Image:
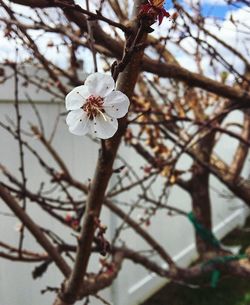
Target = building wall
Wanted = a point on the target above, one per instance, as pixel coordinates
(134, 284)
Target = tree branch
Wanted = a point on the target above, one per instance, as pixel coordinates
(34, 230)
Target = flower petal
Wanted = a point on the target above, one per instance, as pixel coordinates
(162, 13)
(76, 97)
(78, 122)
(116, 104)
(104, 129)
(145, 8)
(160, 17)
(100, 84)
(157, 3)
(73, 116)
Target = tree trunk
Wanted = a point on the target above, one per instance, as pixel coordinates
(201, 203)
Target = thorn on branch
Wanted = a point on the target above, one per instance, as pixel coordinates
(50, 289)
(41, 269)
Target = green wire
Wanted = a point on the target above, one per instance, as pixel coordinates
(220, 260)
(209, 237)
(204, 233)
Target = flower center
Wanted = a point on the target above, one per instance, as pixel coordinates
(94, 107)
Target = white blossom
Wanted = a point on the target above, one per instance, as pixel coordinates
(95, 107)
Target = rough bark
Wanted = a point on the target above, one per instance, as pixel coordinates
(201, 203)
(126, 83)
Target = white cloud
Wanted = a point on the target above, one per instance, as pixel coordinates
(234, 36)
(225, 30)
(202, 2)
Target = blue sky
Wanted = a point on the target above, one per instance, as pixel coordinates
(218, 11)
(211, 8)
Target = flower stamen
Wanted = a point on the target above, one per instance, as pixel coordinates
(94, 106)
(105, 119)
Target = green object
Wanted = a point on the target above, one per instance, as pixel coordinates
(224, 259)
(220, 260)
(230, 290)
(215, 278)
(204, 233)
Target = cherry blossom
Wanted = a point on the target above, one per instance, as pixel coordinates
(95, 107)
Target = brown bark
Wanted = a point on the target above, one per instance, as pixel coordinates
(241, 98)
(34, 230)
(201, 203)
(126, 83)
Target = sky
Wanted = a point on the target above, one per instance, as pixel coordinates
(221, 12)
(211, 8)
(214, 9)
